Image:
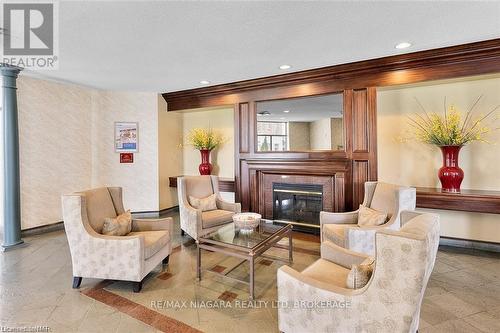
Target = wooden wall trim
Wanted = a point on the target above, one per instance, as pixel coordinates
(225, 185)
(443, 63)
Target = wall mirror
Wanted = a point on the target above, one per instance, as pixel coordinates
(301, 124)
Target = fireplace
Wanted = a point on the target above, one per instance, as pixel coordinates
(298, 204)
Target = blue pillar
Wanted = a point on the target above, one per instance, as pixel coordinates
(12, 188)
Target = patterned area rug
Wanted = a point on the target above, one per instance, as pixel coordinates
(172, 300)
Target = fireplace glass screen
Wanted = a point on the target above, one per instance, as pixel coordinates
(299, 204)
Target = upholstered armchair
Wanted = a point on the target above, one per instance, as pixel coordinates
(317, 300)
(194, 222)
(93, 255)
(343, 229)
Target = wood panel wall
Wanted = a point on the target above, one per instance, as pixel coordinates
(357, 82)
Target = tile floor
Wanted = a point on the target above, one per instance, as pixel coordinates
(463, 294)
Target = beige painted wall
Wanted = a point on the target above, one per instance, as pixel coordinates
(55, 152)
(139, 179)
(222, 158)
(416, 164)
(170, 152)
(66, 145)
(298, 136)
(320, 134)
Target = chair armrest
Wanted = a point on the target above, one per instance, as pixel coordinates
(341, 256)
(190, 219)
(233, 207)
(127, 253)
(191, 211)
(297, 292)
(287, 275)
(338, 218)
(362, 239)
(154, 224)
(407, 215)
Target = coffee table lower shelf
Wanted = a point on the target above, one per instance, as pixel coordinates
(247, 254)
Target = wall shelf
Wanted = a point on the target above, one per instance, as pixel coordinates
(225, 184)
(468, 200)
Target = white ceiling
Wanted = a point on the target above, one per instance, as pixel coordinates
(168, 46)
(304, 109)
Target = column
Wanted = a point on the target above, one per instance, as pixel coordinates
(12, 188)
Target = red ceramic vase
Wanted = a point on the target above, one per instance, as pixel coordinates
(450, 174)
(205, 167)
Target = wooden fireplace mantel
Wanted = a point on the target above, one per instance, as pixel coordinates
(478, 201)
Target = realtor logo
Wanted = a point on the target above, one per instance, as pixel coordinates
(30, 35)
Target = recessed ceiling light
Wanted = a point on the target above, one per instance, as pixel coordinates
(285, 67)
(204, 82)
(286, 111)
(403, 45)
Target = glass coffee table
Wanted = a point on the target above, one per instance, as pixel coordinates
(247, 246)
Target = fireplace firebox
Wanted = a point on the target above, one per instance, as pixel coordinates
(298, 204)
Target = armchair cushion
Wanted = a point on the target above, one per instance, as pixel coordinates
(327, 272)
(216, 217)
(205, 204)
(370, 217)
(335, 233)
(199, 186)
(99, 206)
(154, 241)
(384, 198)
(118, 226)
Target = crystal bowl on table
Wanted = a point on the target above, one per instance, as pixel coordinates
(246, 222)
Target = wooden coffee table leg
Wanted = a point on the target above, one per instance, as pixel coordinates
(251, 286)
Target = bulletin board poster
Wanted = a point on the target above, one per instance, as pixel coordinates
(126, 137)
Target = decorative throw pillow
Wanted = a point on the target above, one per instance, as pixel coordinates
(370, 217)
(118, 226)
(360, 274)
(205, 204)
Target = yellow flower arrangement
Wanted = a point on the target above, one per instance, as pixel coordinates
(201, 138)
(452, 128)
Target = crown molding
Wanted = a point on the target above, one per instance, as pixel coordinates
(443, 63)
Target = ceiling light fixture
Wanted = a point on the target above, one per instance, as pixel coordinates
(285, 67)
(286, 111)
(204, 82)
(402, 45)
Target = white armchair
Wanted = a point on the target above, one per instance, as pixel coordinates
(317, 300)
(94, 255)
(343, 229)
(195, 222)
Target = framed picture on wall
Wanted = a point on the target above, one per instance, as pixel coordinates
(126, 137)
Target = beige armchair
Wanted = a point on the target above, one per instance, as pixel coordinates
(94, 255)
(317, 300)
(343, 230)
(195, 222)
